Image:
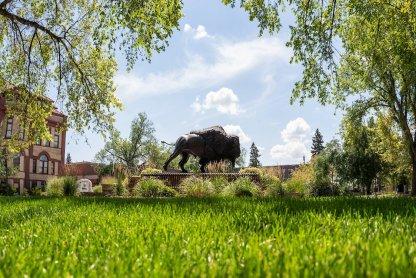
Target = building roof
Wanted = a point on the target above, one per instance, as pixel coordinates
(83, 168)
(284, 170)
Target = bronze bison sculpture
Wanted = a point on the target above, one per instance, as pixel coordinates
(210, 145)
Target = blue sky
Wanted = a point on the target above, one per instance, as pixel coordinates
(218, 71)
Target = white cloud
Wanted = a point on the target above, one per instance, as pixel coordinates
(292, 152)
(295, 141)
(201, 33)
(187, 28)
(297, 129)
(231, 60)
(237, 130)
(224, 101)
(197, 106)
(198, 33)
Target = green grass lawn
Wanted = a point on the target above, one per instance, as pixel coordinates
(213, 237)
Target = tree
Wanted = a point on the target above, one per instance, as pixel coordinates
(241, 160)
(375, 60)
(68, 158)
(254, 156)
(133, 151)
(68, 47)
(389, 144)
(317, 143)
(360, 163)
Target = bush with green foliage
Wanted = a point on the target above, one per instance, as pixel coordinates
(219, 183)
(197, 187)
(70, 186)
(241, 187)
(55, 187)
(252, 170)
(273, 186)
(109, 180)
(97, 189)
(62, 186)
(151, 171)
(300, 181)
(7, 189)
(153, 188)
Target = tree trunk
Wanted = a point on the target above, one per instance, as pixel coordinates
(413, 192)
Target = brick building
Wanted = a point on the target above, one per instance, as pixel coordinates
(41, 161)
(84, 170)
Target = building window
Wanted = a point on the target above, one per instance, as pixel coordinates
(53, 168)
(16, 161)
(34, 166)
(43, 164)
(9, 128)
(56, 140)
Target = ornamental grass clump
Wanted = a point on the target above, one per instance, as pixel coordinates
(219, 183)
(70, 186)
(62, 186)
(55, 187)
(269, 179)
(153, 188)
(241, 187)
(272, 186)
(197, 187)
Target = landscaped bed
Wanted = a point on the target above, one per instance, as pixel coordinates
(219, 236)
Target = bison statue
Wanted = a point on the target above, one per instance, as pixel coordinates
(209, 145)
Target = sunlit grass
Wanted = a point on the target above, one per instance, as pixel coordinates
(216, 237)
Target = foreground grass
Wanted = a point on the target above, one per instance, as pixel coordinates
(213, 237)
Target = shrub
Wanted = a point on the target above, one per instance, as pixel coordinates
(301, 180)
(97, 189)
(252, 170)
(219, 183)
(273, 186)
(55, 187)
(241, 187)
(151, 171)
(7, 189)
(120, 187)
(63, 186)
(109, 180)
(70, 185)
(197, 187)
(152, 188)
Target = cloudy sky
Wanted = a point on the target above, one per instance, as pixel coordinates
(218, 71)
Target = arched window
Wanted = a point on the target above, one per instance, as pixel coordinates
(43, 164)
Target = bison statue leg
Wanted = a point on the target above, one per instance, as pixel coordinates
(182, 162)
(202, 163)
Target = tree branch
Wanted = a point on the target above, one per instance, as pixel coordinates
(4, 3)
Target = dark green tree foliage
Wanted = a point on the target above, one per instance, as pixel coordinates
(317, 143)
(69, 46)
(359, 164)
(133, 151)
(254, 156)
(241, 160)
(326, 181)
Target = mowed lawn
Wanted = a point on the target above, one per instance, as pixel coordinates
(209, 237)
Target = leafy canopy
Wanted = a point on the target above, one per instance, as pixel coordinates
(133, 151)
(68, 47)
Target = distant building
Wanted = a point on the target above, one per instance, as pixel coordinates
(284, 171)
(84, 170)
(39, 162)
